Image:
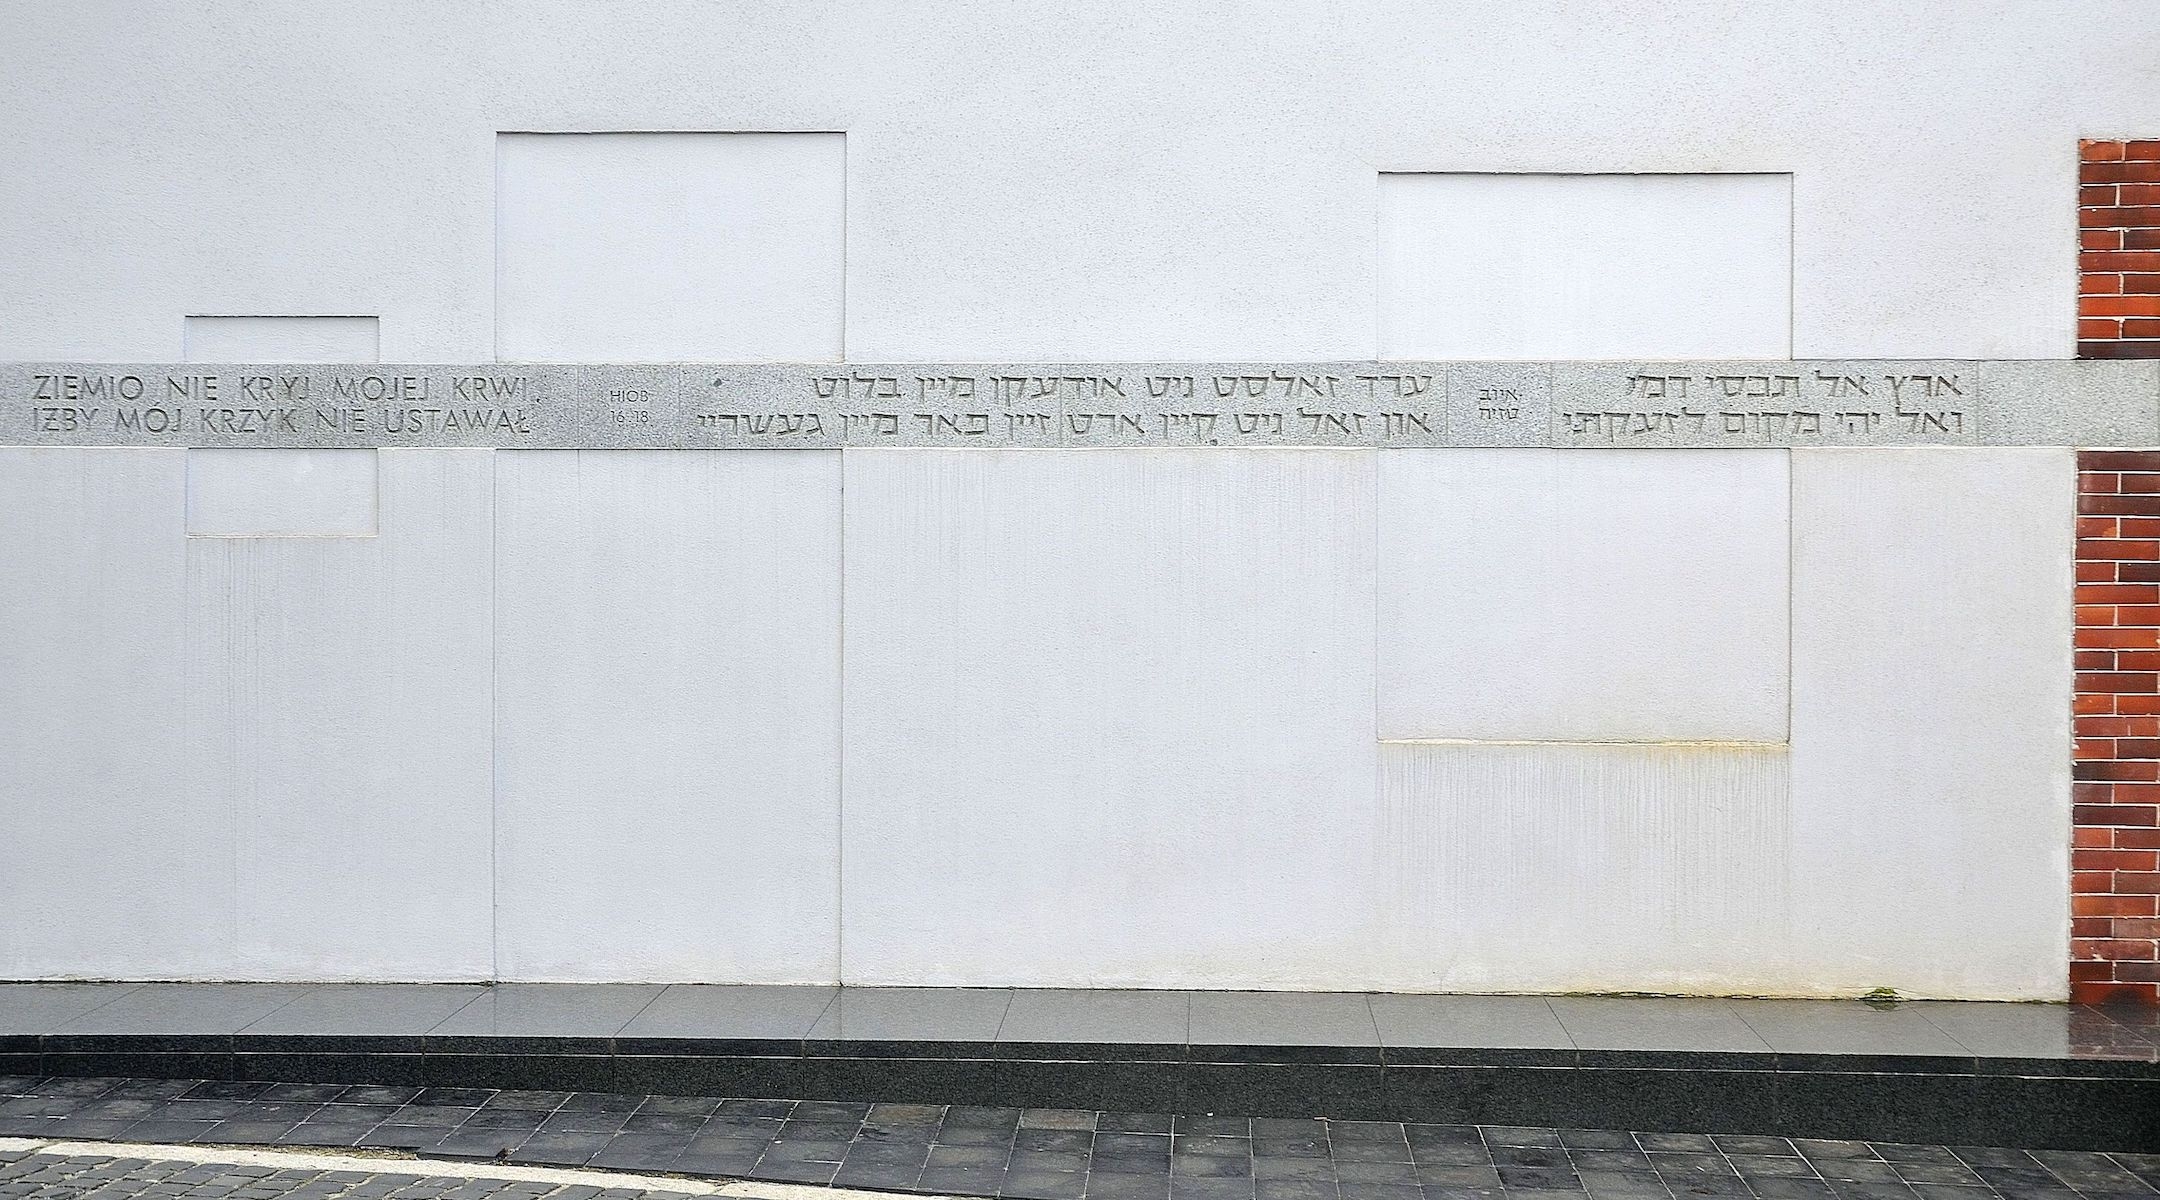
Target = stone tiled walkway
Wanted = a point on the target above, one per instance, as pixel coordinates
(1041, 1154)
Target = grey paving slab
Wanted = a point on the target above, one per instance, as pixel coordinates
(2034, 1030)
(43, 1007)
(366, 1009)
(1625, 1023)
(550, 1010)
(699, 1010)
(1513, 1022)
(1282, 1019)
(1103, 1017)
(1081, 405)
(186, 1008)
(1844, 1027)
(914, 1014)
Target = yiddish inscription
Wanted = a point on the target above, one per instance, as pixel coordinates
(1380, 405)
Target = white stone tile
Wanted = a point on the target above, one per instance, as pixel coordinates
(1931, 719)
(668, 715)
(669, 247)
(282, 492)
(1595, 595)
(1585, 266)
(112, 865)
(1109, 718)
(1576, 868)
(338, 707)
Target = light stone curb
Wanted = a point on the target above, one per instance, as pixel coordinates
(1359, 405)
(392, 1163)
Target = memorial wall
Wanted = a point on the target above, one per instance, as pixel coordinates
(1373, 496)
(1433, 676)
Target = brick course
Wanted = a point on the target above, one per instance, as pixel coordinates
(2118, 249)
(2115, 835)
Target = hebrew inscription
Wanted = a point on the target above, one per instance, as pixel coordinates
(1377, 405)
(1785, 404)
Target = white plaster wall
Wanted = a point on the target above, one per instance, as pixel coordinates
(1122, 179)
(112, 865)
(1109, 719)
(668, 715)
(1500, 266)
(238, 757)
(261, 492)
(1931, 719)
(1570, 867)
(281, 339)
(1583, 595)
(338, 707)
(634, 247)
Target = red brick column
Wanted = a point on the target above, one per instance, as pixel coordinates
(2115, 846)
(2118, 249)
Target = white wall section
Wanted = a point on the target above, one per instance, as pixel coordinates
(1090, 690)
(1931, 719)
(236, 757)
(1161, 212)
(1585, 266)
(1104, 717)
(282, 339)
(93, 582)
(1572, 868)
(286, 492)
(337, 705)
(1587, 595)
(668, 714)
(669, 247)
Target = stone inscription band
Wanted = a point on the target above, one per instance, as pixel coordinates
(1371, 404)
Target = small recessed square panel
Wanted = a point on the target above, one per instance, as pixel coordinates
(280, 492)
(1584, 595)
(1585, 266)
(669, 247)
(282, 339)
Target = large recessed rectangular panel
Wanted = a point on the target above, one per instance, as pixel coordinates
(339, 707)
(1109, 718)
(1931, 719)
(669, 247)
(280, 492)
(1572, 868)
(1585, 266)
(282, 339)
(668, 657)
(1590, 595)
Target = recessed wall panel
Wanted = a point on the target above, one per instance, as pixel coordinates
(668, 725)
(1109, 719)
(1931, 719)
(338, 706)
(1585, 266)
(1590, 595)
(669, 247)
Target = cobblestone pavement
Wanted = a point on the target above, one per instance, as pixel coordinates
(1034, 1154)
(39, 1176)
